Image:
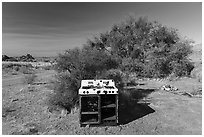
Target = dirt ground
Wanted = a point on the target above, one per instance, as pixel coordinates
(25, 110)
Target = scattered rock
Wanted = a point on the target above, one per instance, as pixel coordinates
(10, 110)
(13, 100)
(64, 112)
(187, 94)
(54, 131)
(39, 83)
(106, 128)
(169, 88)
(56, 110)
(87, 126)
(197, 92)
(21, 89)
(26, 129)
(120, 128)
(31, 88)
(31, 128)
(74, 110)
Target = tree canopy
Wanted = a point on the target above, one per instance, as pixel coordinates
(145, 48)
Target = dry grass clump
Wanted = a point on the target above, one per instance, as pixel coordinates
(16, 68)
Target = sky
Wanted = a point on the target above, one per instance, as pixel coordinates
(47, 29)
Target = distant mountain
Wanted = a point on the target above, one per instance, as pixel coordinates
(7, 58)
(4, 57)
(24, 58)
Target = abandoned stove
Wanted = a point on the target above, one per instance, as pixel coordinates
(98, 102)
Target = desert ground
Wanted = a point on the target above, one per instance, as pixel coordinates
(25, 110)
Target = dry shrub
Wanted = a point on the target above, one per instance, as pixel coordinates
(25, 70)
(65, 91)
(115, 74)
(145, 48)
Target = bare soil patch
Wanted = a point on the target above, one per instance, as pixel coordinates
(145, 109)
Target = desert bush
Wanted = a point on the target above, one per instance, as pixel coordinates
(116, 75)
(30, 78)
(182, 68)
(147, 49)
(132, 65)
(17, 67)
(7, 65)
(65, 91)
(88, 62)
(74, 66)
(10, 65)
